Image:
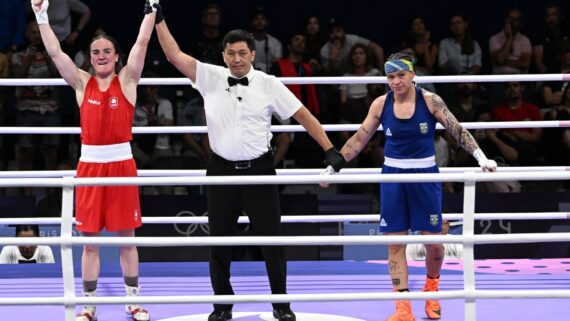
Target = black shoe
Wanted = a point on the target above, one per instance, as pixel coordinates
(220, 315)
(284, 314)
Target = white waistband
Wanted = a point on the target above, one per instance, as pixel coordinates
(105, 153)
(410, 162)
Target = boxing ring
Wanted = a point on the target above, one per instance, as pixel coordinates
(470, 290)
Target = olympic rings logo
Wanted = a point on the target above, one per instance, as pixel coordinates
(190, 229)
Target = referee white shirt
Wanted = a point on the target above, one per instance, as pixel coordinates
(239, 117)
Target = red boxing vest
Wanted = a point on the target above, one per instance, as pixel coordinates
(288, 70)
(106, 117)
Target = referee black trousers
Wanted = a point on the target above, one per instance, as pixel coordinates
(261, 204)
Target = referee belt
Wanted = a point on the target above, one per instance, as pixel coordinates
(243, 164)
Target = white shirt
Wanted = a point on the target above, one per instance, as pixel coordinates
(11, 255)
(163, 111)
(356, 91)
(239, 117)
(59, 12)
(521, 45)
(267, 52)
(450, 54)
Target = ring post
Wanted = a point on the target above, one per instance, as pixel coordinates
(67, 248)
(468, 246)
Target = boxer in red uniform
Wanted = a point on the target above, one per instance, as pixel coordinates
(106, 103)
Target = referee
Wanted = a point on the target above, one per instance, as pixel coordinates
(239, 102)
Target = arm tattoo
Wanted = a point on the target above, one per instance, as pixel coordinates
(353, 146)
(461, 135)
(396, 282)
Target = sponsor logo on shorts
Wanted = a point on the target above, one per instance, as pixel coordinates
(388, 132)
(434, 219)
(136, 216)
(383, 223)
(113, 102)
(78, 223)
(423, 128)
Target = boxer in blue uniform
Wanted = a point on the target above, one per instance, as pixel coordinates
(408, 115)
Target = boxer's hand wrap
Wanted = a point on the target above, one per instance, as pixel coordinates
(334, 159)
(41, 14)
(487, 165)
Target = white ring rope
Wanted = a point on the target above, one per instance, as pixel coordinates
(284, 298)
(291, 240)
(284, 128)
(319, 80)
(338, 218)
(286, 179)
(283, 172)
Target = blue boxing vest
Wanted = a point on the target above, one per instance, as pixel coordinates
(408, 138)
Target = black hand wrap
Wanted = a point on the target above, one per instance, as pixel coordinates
(148, 9)
(159, 16)
(334, 159)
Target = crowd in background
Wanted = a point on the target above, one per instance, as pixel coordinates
(323, 47)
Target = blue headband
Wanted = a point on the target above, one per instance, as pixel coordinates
(397, 65)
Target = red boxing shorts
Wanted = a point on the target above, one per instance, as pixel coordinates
(114, 208)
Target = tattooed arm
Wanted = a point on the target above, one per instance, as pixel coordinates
(444, 116)
(370, 125)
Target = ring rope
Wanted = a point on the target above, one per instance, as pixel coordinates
(286, 171)
(320, 80)
(338, 218)
(150, 241)
(284, 128)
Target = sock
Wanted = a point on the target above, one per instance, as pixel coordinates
(436, 278)
(403, 290)
(89, 286)
(132, 281)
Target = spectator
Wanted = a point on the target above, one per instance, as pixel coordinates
(466, 105)
(499, 147)
(517, 109)
(546, 46)
(556, 141)
(195, 145)
(208, 45)
(151, 110)
(268, 49)
(419, 41)
(60, 13)
(13, 254)
(4, 73)
(12, 25)
(552, 90)
(355, 100)
(36, 105)
(459, 53)
(510, 50)
(304, 150)
(335, 52)
(315, 38)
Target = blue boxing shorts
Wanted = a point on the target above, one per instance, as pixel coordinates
(415, 206)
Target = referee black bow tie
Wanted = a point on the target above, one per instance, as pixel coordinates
(234, 81)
